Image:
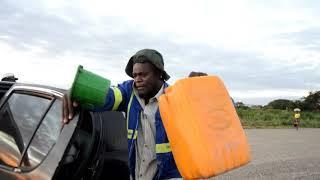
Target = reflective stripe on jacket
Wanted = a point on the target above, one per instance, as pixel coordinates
(122, 98)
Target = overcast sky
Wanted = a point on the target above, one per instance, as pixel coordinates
(262, 50)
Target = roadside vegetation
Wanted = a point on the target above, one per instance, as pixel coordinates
(276, 118)
(279, 113)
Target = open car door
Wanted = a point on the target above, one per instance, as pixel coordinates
(98, 149)
(33, 138)
(35, 144)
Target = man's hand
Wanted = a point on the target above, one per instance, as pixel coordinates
(195, 74)
(68, 108)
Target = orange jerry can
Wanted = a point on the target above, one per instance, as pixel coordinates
(203, 128)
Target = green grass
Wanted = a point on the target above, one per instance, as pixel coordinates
(274, 118)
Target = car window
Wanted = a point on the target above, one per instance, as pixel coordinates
(45, 137)
(19, 118)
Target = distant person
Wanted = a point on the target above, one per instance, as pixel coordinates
(296, 120)
(9, 77)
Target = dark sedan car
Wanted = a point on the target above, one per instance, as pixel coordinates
(35, 144)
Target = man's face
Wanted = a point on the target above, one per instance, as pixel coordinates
(145, 78)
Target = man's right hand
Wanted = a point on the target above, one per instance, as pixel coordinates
(68, 108)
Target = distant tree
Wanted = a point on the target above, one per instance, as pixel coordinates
(312, 101)
(241, 105)
(283, 104)
(256, 107)
(297, 104)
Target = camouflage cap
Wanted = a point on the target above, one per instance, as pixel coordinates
(153, 56)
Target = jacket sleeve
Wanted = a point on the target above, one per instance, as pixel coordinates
(115, 99)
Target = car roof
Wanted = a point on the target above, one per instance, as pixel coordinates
(41, 86)
(58, 92)
(62, 91)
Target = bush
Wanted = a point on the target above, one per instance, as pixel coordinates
(283, 104)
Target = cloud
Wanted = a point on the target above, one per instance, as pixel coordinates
(307, 38)
(253, 47)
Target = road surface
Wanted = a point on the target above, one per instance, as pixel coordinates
(280, 154)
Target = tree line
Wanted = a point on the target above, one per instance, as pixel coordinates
(307, 103)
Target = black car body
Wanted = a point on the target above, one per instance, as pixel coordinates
(35, 144)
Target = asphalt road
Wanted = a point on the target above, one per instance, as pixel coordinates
(280, 154)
